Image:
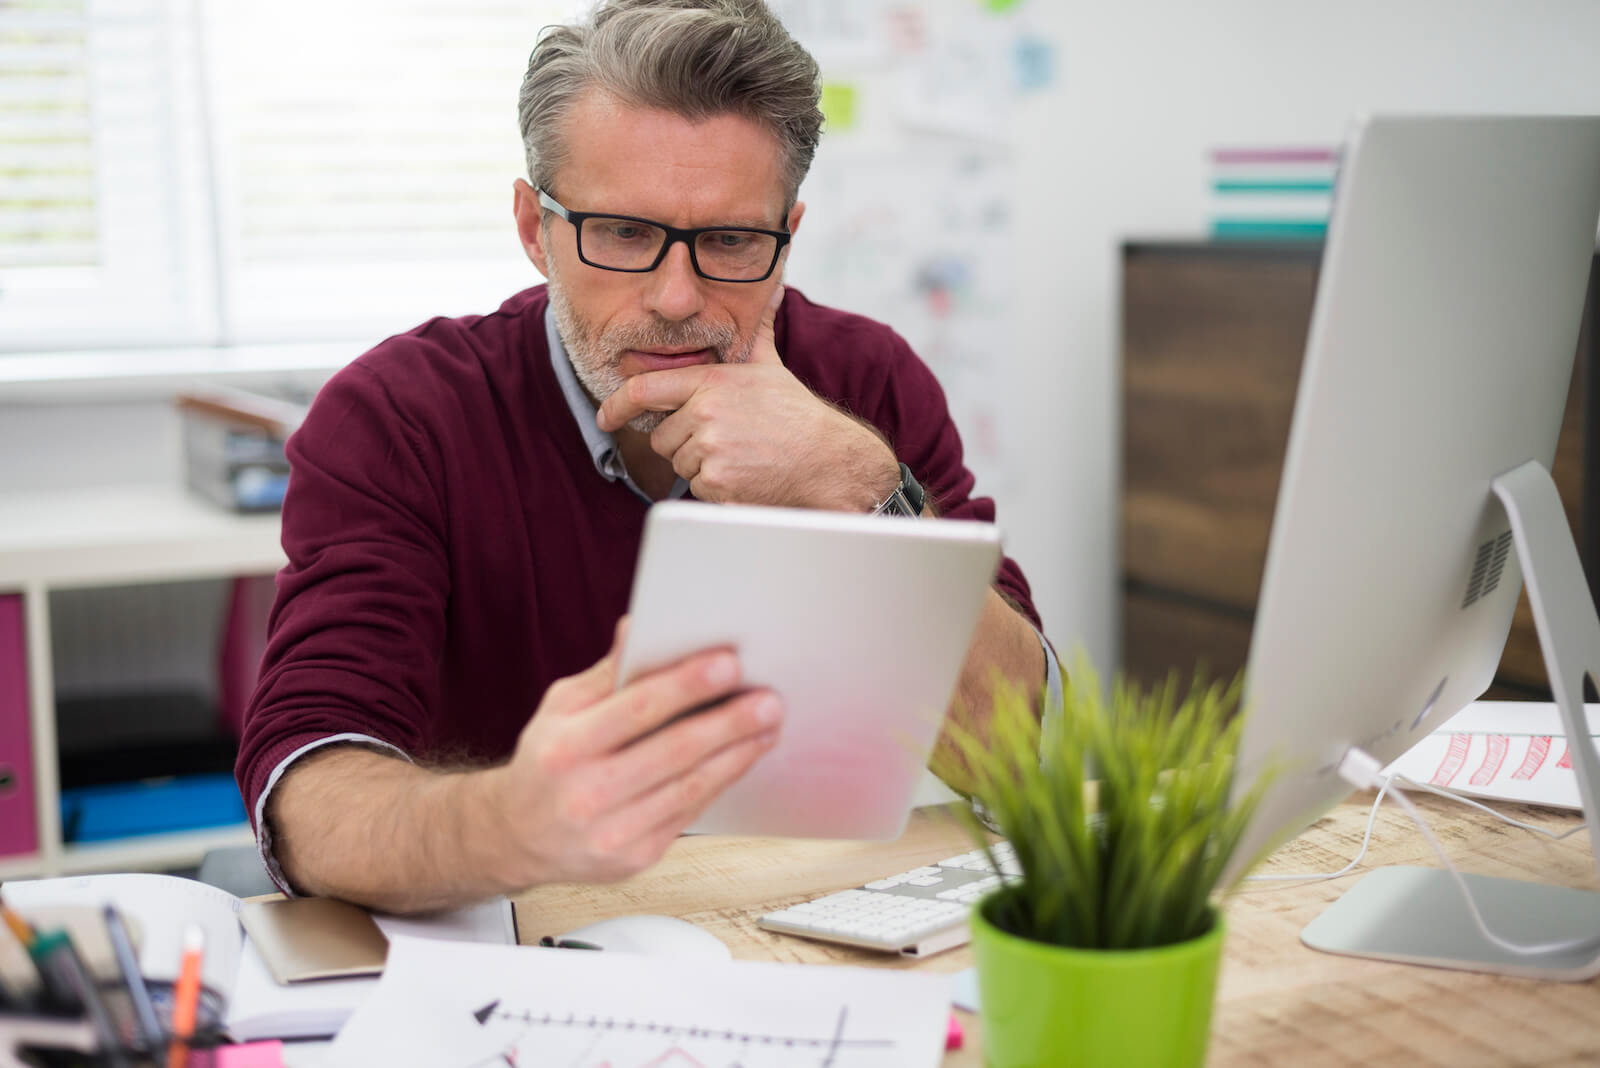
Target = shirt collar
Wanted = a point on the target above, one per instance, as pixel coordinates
(601, 445)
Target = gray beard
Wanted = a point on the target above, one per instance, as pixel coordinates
(595, 353)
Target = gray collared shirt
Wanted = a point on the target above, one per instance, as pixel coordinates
(602, 446)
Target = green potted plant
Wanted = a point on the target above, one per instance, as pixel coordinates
(1106, 950)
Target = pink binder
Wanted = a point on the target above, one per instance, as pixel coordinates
(19, 827)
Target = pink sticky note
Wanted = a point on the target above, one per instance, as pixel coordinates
(250, 1055)
(953, 1036)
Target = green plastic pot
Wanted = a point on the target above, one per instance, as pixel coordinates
(1046, 1005)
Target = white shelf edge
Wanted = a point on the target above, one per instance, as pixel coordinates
(145, 852)
(172, 849)
(23, 866)
(121, 535)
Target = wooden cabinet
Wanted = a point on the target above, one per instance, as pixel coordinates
(1212, 339)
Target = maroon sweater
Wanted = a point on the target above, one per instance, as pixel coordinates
(453, 550)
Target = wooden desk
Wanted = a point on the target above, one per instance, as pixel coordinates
(1279, 1003)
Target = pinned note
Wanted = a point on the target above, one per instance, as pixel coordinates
(838, 106)
(1033, 62)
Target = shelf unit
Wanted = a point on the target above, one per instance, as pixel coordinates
(110, 536)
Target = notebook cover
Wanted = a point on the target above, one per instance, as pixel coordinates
(307, 938)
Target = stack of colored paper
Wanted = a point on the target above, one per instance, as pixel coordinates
(1272, 193)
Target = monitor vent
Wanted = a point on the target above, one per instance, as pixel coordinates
(1487, 566)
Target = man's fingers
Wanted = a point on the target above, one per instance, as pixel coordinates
(653, 391)
(639, 828)
(675, 430)
(679, 747)
(680, 801)
(646, 703)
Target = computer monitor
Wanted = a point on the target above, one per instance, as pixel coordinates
(1437, 365)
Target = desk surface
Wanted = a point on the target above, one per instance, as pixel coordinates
(1279, 1002)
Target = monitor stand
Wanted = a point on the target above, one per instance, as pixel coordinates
(1417, 915)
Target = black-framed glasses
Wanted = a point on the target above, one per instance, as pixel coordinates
(637, 246)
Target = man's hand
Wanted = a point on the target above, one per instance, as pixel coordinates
(752, 433)
(603, 779)
(600, 783)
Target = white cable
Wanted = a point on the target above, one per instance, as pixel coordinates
(1360, 769)
(1501, 816)
(1372, 817)
(1318, 875)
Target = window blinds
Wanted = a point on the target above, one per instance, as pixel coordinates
(47, 201)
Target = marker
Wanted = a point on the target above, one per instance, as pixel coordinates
(186, 997)
(147, 1026)
(10, 999)
(26, 935)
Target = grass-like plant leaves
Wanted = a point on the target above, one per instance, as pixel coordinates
(1119, 813)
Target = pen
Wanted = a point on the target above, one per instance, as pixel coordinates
(69, 984)
(147, 1027)
(186, 997)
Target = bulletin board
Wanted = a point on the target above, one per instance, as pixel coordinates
(910, 204)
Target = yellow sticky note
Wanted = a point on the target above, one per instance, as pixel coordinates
(838, 106)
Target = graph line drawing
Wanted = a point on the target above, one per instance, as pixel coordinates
(624, 1042)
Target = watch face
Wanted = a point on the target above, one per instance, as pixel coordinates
(897, 504)
(907, 498)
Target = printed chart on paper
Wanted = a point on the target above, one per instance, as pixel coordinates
(460, 1005)
(1505, 750)
(574, 1041)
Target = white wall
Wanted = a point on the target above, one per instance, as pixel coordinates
(1147, 88)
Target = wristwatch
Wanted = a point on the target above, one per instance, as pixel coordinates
(907, 498)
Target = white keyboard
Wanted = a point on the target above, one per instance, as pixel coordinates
(915, 914)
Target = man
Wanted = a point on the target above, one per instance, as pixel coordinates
(437, 718)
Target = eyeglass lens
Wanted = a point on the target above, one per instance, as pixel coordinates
(629, 245)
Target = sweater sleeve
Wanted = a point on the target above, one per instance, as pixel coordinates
(358, 621)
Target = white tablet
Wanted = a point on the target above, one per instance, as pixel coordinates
(859, 623)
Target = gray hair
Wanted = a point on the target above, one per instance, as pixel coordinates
(697, 58)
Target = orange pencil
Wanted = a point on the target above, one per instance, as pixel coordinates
(18, 925)
(186, 997)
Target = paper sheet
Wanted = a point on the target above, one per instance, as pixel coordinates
(453, 1005)
(1506, 750)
